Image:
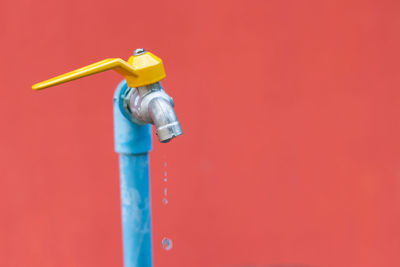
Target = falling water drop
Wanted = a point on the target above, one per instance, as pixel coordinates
(165, 201)
(166, 244)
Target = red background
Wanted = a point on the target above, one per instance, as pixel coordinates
(291, 151)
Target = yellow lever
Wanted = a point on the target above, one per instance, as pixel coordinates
(141, 69)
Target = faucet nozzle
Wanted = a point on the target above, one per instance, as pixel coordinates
(150, 104)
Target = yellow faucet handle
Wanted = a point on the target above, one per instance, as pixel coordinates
(117, 64)
(140, 70)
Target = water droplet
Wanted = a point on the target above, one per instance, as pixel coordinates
(165, 179)
(165, 191)
(165, 201)
(165, 164)
(165, 173)
(166, 244)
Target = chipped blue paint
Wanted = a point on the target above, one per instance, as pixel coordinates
(133, 142)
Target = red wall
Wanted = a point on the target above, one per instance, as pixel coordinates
(291, 151)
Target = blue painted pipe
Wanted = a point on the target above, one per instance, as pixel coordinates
(133, 142)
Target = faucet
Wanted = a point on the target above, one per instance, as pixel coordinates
(139, 102)
(150, 104)
(145, 100)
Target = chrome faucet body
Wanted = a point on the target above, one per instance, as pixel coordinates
(151, 104)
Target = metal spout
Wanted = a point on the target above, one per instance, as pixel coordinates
(150, 104)
(164, 118)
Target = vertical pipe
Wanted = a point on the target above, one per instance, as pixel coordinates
(136, 212)
(133, 143)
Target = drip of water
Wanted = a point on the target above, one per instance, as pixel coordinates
(165, 201)
(166, 244)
